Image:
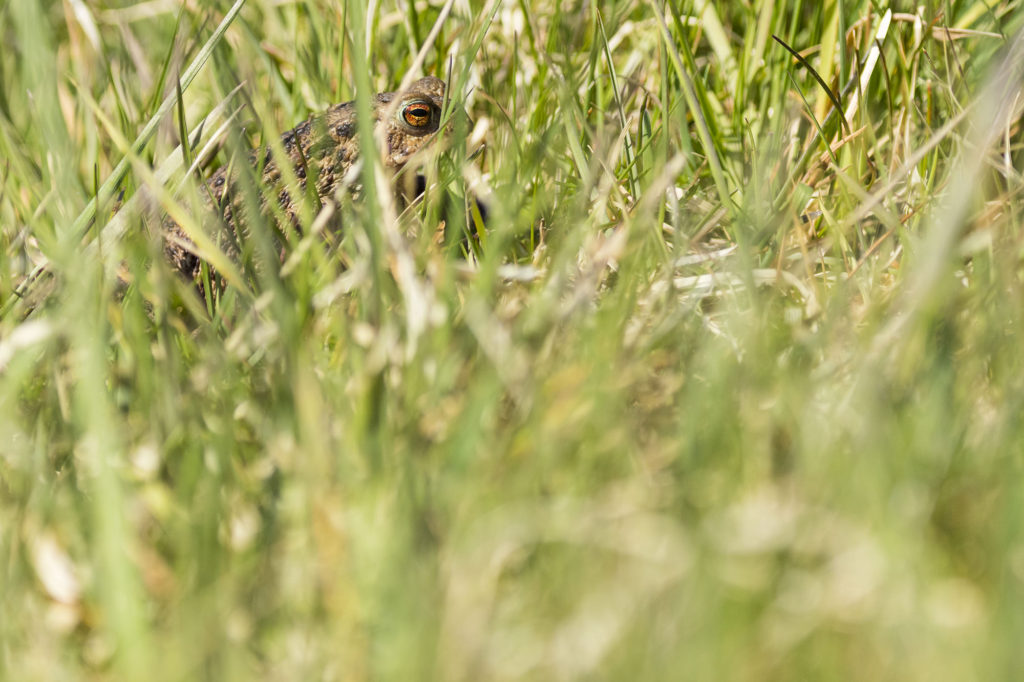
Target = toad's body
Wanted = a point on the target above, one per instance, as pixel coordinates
(326, 144)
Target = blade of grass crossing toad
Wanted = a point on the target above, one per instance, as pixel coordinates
(205, 246)
(355, 37)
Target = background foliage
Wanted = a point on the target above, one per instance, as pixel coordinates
(729, 388)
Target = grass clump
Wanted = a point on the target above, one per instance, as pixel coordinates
(728, 386)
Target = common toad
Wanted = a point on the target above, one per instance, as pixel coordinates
(326, 144)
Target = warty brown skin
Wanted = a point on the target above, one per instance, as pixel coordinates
(327, 144)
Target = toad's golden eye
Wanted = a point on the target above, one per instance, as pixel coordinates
(417, 114)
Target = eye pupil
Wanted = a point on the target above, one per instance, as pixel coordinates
(417, 115)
